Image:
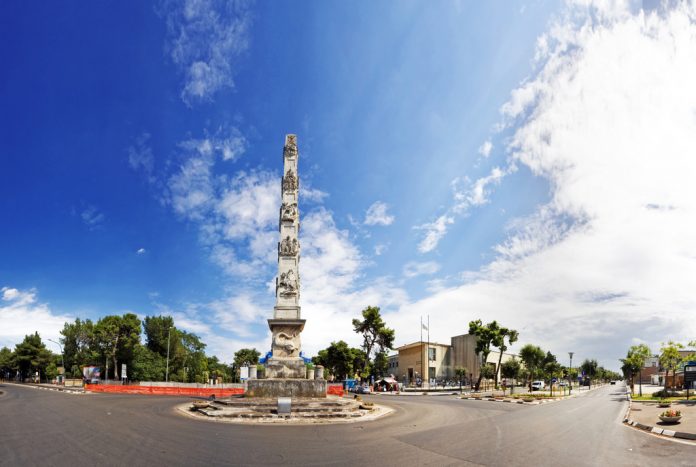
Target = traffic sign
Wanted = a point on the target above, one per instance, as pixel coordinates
(689, 373)
(553, 380)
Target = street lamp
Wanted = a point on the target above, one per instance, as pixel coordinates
(570, 381)
(169, 333)
(62, 358)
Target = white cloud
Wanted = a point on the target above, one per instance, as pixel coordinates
(434, 231)
(377, 214)
(610, 121)
(312, 194)
(22, 314)
(485, 148)
(140, 156)
(205, 37)
(381, 248)
(141, 251)
(227, 143)
(413, 268)
(92, 217)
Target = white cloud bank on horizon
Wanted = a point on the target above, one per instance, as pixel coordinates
(610, 122)
(21, 314)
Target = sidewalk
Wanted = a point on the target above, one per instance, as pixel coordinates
(645, 415)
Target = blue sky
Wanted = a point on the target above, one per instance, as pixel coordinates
(443, 170)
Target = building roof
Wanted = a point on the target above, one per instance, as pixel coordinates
(420, 343)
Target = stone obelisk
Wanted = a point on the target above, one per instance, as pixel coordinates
(286, 324)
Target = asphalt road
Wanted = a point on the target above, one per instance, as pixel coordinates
(40, 427)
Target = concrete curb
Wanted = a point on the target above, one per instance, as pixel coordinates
(536, 402)
(656, 430)
(47, 388)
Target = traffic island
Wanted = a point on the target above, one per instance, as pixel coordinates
(645, 416)
(284, 410)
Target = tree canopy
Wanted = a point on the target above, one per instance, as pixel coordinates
(375, 334)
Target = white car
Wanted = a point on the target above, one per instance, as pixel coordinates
(538, 385)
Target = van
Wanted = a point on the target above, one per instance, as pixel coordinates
(538, 385)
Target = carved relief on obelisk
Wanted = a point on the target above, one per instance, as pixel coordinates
(286, 324)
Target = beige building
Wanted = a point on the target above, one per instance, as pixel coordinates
(409, 364)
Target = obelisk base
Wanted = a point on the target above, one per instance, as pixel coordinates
(295, 388)
(290, 367)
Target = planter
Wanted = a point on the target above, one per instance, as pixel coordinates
(664, 405)
(670, 419)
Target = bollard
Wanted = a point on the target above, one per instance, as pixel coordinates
(284, 405)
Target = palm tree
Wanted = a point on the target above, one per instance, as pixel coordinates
(499, 341)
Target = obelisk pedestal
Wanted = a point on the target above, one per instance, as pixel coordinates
(285, 369)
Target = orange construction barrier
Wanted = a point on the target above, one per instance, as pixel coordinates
(335, 390)
(164, 391)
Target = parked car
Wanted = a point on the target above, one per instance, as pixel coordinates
(363, 390)
(538, 385)
(612, 382)
(563, 383)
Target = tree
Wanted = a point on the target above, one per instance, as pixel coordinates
(158, 334)
(193, 367)
(499, 342)
(670, 358)
(487, 372)
(339, 359)
(636, 357)
(485, 337)
(79, 346)
(589, 367)
(375, 334)
(532, 356)
(31, 355)
(7, 363)
(380, 365)
(461, 373)
(246, 357)
(511, 370)
(117, 336)
(147, 365)
(630, 366)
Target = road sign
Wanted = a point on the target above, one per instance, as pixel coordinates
(553, 380)
(123, 371)
(689, 373)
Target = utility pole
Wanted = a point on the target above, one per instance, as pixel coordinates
(62, 357)
(570, 380)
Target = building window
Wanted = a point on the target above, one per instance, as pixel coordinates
(431, 354)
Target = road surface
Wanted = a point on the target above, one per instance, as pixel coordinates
(39, 427)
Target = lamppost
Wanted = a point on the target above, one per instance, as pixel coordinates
(169, 334)
(570, 380)
(62, 358)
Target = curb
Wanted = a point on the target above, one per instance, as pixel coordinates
(656, 430)
(63, 390)
(536, 402)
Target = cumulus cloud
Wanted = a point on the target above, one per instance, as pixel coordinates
(141, 251)
(204, 38)
(140, 156)
(485, 149)
(21, 314)
(92, 217)
(434, 231)
(413, 268)
(608, 120)
(377, 214)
